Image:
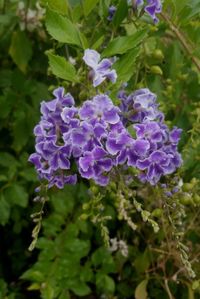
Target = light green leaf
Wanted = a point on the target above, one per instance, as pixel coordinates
(16, 194)
(88, 6)
(140, 291)
(61, 28)
(61, 67)
(125, 65)
(4, 210)
(61, 6)
(121, 13)
(121, 45)
(48, 292)
(20, 50)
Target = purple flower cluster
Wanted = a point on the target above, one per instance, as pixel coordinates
(93, 140)
(157, 153)
(52, 156)
(152, 7)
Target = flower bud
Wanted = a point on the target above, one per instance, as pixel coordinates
(84, 217)
(155, 69)
(157, 213)
(158, 54)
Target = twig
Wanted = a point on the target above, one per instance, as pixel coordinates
(168, 289)
(182, 39)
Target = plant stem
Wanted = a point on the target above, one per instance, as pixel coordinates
(185, 43)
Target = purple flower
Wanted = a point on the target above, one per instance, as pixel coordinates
(101, 69)
(100, 108)
(140, 106)
(111, 12)
(94, 164)
(152, 7)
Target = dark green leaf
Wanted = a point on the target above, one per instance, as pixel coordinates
(4, 210)
(16, 194)
(20, 50)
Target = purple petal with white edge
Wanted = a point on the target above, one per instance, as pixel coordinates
(111, 116)
(86, 161)
(68, 100)
(175, 135)
(141, 147)
(106, 164)
(158, 156)
(99, 131)
(177, 160)
(70, 179)
(143, 164)
(132, 158)
(76, 151)
(112, 76)
(112, 147)
(63, 162)
(88, 174)
(87, 110)
(122, 157)
(59, 92)
(104, 65)
(91, 58)
(98, 79)
(98, 153)
(39, 131)
(78, 138)
(53, 162)
(102, 180)
(51, 106)
(103, 102)
(140, 130)
(139, 2)
(68, 113)
(35, 159)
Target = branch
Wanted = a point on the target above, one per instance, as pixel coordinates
(182, 40)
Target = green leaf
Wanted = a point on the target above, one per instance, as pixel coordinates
(80, 288)
(16, 194)
(7, 160)
(48, 292)
(61, 67)
(121, 13)
(60, 6)
(61, 28)
(140, 291)
(125, 65)
(105, 283)
(4, 210)
(20, 50)
(21, 129)
(121, 45)
(88, 6)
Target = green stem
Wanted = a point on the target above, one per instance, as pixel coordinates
(185, 42)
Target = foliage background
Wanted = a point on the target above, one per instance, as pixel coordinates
(70, 259)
